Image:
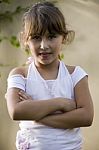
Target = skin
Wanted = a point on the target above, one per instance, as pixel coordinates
(80, 117)
(78, 113)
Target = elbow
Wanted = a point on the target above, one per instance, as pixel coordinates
(87, 117)
(90, 116)
(14, 115)
(88, 120)
(91, 120)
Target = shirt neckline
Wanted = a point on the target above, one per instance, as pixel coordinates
(39, 75)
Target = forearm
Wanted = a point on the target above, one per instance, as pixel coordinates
(73, 119)
(38, 109)
(35, 110)
(21, 106)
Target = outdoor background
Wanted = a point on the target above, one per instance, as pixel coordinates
(83, 17)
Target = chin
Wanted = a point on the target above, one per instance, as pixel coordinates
(46, 62)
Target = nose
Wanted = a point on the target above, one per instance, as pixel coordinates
(44, 44)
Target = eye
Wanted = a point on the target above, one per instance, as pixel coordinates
(36, 37)
(52, 36)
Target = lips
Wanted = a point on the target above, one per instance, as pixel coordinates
(45, 55)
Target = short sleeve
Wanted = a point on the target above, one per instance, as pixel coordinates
(77, 75)
(17, 81)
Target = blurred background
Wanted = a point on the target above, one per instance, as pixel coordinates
(82, 16)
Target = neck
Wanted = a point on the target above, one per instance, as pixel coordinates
(49, 71)
(49, 67)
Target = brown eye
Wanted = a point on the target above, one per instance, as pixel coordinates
(36, 37)
(52, 36)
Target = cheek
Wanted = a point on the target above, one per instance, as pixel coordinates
(31, 46)
(58, 43)
(58, 46)
(32, 49)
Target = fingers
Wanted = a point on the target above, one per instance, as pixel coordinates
(24, 96)
(21, 98)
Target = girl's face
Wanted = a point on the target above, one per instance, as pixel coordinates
(45, 49)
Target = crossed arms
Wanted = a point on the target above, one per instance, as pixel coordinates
(73, 113)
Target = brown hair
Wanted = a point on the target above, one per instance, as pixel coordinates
(42, 17)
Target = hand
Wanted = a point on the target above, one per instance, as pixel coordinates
(24, 96)
(67, 104)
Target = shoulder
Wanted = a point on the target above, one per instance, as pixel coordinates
(74, 70)
(70, 68)
(19, 70)
(77, 74)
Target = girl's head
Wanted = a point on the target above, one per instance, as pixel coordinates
(44, 29)
(42, 17)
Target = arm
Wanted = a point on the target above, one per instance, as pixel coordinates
(23, 107)
(28, 109)
(80, 117)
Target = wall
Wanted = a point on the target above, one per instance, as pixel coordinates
(81, 16)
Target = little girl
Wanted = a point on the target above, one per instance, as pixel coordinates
(51, 99)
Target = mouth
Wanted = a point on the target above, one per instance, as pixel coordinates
(45, 55)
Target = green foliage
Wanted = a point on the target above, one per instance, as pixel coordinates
(13, 40)
(27, 51)
(62, 56)
(8, 15)
(53, 1)
(0, 39)
(5, 1)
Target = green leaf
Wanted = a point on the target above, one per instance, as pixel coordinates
(27, 51)
(5, 1)
(1, 39)
(13, 37)
(14, 41)
(62, 56)
(18, 9)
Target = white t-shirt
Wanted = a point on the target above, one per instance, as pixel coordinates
(38, 88)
